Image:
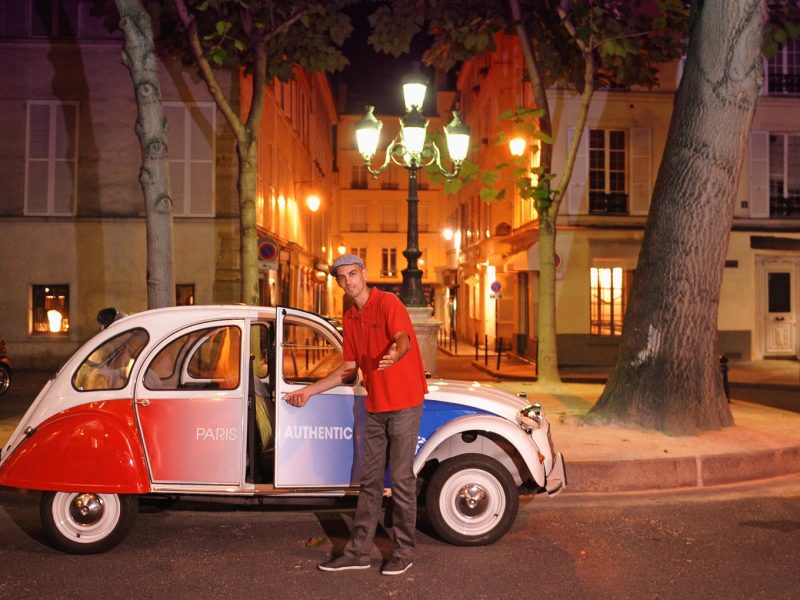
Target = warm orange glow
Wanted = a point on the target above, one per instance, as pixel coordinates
(447, 234)
(313, 203)
(342, 249)
(517, 145)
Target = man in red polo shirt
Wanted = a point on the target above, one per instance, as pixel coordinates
(379, 338)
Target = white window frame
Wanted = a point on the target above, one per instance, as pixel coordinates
(187, 159)
(784, 68)
(52, 159)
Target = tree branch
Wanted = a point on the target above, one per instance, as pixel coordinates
(206, 71)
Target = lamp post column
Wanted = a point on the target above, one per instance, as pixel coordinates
(411, 292)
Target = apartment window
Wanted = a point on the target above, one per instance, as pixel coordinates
(783, 70)
(423, 225)
(358, 177)
(54, 18)
(784, 175)
(389, 217)
(607, 176)
(609, 295)
(358, 217)
(50, 308)
(389, 180)
(184, 294)
(192, 129)
(51, 158)
(388, 262)
(360, 252)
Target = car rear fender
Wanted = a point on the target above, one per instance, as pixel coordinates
(493, 434)
(93, 447)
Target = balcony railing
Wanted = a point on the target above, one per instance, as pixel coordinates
(785, 207)
(782, 83)
(601, 203)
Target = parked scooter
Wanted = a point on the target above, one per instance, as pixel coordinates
(5, 368)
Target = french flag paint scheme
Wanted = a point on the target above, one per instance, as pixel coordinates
(92, 450)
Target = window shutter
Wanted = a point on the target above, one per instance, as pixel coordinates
(38, 159)
(176, 139)
(758, 174)
(65, 151)
(641, 179)
(577, 199)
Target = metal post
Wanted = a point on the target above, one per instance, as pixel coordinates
(476, 346)
(486, 349)
(499, 352)
(411, 292)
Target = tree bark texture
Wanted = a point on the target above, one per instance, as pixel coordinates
(247, 147)
(668, 374)
(140, 58)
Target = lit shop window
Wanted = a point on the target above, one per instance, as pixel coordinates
(609, 295)
(50, 309)
(184, 294)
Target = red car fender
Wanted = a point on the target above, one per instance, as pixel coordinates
(93, 447)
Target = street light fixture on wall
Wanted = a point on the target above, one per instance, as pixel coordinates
(412, 151)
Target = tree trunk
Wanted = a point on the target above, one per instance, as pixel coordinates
(547, 354)
(668, 375)
(247, 148)
(139, 57)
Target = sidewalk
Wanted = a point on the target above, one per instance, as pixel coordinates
(776, 374)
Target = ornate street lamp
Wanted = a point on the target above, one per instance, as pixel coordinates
(412, 151)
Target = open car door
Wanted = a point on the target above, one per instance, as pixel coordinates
(318, 445)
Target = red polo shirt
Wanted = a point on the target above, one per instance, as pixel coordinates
(368, 335)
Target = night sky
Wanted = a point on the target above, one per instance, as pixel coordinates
(375, 78)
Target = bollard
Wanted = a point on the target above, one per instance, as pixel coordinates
(499, 351)
(723, 367)
(486, 349)
(476, 346)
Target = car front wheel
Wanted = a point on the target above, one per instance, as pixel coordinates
(472, 500)
(86, 522)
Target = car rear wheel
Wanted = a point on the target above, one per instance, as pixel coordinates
(472, 500)
(86, 522)
(5, 379)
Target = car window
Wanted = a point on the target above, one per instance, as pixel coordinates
(109, 366)
(207, 359)
(308, 354)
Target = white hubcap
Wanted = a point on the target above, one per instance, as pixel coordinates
(85, 517)
(472, 502)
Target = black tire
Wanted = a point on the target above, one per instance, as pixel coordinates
(86, 522)
(471, 500)
(5, 379)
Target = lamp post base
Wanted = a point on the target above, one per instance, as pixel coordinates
(427, 330)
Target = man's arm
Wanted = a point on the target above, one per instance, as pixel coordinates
(342, 373)
(402, 342)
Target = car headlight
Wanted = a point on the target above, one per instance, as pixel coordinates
(530, 417)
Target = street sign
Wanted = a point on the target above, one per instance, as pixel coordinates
(268, 253)
(496, 287)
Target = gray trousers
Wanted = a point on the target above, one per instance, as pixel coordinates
(396, 431)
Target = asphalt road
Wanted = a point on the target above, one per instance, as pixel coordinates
(727, 543)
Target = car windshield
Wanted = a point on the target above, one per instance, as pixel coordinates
(109, 366)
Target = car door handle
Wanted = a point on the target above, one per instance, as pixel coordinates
(144, 402)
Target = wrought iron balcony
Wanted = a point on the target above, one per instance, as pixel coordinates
(784, 83)
(785, 207)
(601, 203)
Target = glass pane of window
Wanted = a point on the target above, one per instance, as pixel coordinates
(50, 308)
(608, 299)
(308, 354)
(779, 287)
(109, 366)
(206, 359)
